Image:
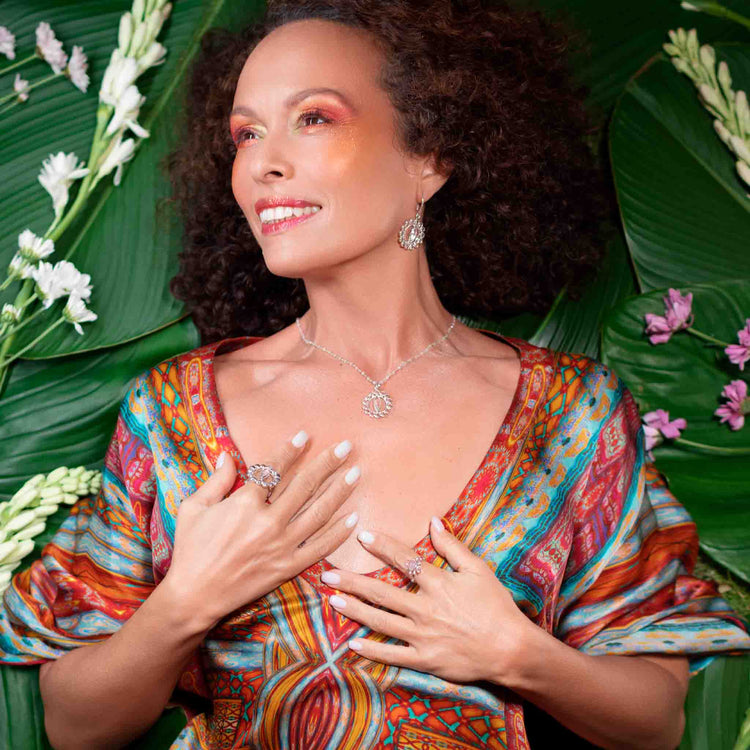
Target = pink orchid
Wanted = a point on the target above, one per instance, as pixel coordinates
(738, 404)
(656, 427)
(740, 353)
(677, 316)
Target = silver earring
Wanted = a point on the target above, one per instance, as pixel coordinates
(412, 231)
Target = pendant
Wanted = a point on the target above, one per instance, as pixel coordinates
(377, 403)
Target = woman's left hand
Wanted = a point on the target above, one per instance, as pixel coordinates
(461, 625)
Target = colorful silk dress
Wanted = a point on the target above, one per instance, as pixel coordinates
(564, 507)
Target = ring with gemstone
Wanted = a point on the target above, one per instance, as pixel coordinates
(414, 567)
(265, 476)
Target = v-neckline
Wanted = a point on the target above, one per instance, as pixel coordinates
(423, 546)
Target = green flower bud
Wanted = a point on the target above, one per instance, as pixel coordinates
(743, 112)
(743, 170)
(724, 78)
(708, 56)
(740, 148)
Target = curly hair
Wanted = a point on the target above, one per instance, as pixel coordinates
(481, 86)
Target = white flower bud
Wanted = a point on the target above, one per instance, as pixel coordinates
(13, 551)
(743, 112)
(670, 49)
(740, 148)
(139, 36)
(125, 32)
(25, 495)
(58, 473)
(22, 520)
(68, 485)
(681, 37)
(138, 7)
(682, 66)
(76, 471)
(48, 492)
(744, 171)
(692, 44)
(45, 510)
(708, 57)
(724, 78)
(721, 131)
(69, 498)
(30, 531)
(711, 98)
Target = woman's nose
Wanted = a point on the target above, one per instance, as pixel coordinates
(271, 159)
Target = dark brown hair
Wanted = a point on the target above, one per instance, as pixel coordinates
(482, 86)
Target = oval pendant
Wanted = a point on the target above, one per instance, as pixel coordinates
(377, 403)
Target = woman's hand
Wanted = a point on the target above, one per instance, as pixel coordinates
(462, 626)
(231, 551)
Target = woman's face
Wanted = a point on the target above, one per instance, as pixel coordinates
(336, 151)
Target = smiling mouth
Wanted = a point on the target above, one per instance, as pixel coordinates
(292, 217)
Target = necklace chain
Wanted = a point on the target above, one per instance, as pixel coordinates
(380, 409)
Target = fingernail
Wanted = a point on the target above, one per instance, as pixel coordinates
(330, 577)
(366, 537)
(299, 439)
(352, 475)
(342, 448)
(351, 520)
(337, 601)
(437, 524)
(220, 462)
(354, 644)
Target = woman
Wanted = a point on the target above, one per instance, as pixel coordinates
(294, 592)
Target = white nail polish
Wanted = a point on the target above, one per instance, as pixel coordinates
(342, 448)
(220, 462)
(351, 520)
(352, 475)
(366, 537)
(330, 577)
(337, 601)
(299, 439)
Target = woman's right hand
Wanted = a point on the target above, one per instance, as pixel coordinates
(231, 551)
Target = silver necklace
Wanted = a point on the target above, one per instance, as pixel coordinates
(377, 403)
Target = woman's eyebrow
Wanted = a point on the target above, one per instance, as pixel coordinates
(296, 98)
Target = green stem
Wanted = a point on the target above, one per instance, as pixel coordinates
(60, 320)
(10, 106)
(711, 450)
(28, 320)
(714, 9)
(706, 337)
(34, 85)
(18, 64)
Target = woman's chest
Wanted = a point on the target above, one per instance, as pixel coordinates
(415, 462)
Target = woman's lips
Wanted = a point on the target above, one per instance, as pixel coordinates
(281, 226)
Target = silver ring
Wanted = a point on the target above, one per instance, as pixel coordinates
(414, 567)
(265, 476)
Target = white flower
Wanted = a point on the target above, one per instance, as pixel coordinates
(21, 87)
(120, 152)
(71, 280)
(154, 55)
(77, 69)
(20, 268)
(34, 248)
(76, 312)
(10, 314)
(58, 172)
(50, 47)
(7, 43)
(125, 32)
(120, 73)
(48, 283)
(126, 112)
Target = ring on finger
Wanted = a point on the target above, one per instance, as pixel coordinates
(264, 475)
(414, 567)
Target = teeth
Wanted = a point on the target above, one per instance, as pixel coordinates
(268, 215)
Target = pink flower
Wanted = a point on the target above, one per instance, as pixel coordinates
(738, 404)
(740, 353)
(677, 316)
(656, 427)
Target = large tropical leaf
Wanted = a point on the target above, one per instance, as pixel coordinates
(716, 704)
(685, 376)
(128, 239)
(62, 413)
(685, 211)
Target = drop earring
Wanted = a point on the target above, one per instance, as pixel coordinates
(412, 231)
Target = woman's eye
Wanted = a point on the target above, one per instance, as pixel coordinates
(240, 136)
(313, 115)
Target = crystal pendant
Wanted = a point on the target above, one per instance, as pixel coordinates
(377, 403)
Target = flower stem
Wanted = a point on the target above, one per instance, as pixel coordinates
(10, 106)
(34, 85)
(23, 323)
(711, 450)
(18, 64)
(60, 320)
(706, 337)
(715, 9)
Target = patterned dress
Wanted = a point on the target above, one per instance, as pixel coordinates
(564, 507)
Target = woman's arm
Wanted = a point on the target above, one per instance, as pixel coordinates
(617, 702)
(107, 694)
